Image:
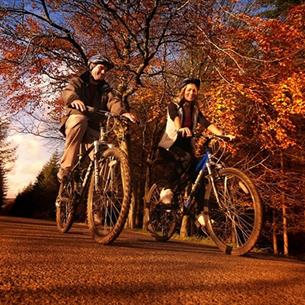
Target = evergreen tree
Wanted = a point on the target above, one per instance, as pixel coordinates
(37, 200)
(23, 206)
(7, 157)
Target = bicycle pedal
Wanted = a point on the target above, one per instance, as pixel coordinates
(166, 206)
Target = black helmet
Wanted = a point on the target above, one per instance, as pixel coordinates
(100, 59)
(187, 81)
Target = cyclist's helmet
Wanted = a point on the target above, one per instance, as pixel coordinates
(187, 81)
(100, 59)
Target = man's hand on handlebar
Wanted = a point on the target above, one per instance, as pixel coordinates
(79, 105)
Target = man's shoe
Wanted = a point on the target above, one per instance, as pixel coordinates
(62, 192)
(62, 174)
(199, 221)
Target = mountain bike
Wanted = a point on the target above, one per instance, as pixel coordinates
(102, 175)
(231, 210)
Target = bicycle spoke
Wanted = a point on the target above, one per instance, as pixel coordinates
(111, 200)
(235, 213)
(162, 219)
(65, 207)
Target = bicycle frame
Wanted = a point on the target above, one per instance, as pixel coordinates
(204, 163)
(77, 167)
(93, 164)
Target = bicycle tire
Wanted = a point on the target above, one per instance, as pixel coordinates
(108, 207)
(65, 207)
(235, 227)
(162, 219)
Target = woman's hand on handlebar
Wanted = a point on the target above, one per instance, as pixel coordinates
(130, 116)
(230, 137)
(79, 105)
(185, 132)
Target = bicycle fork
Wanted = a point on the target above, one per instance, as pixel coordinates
(190, 198)
(211, 179)
(96, 168)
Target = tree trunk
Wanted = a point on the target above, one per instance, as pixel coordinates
(285, 226)
(130, 220)
(274, 230)
(146, 207)
(183, 229)
(139, 204)
(284, 211)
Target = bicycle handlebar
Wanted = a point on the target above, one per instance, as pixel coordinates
(104, 113)
(213, 136)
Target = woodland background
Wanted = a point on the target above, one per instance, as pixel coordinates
(249, 56)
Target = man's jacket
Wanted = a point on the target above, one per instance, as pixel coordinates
(95, 94)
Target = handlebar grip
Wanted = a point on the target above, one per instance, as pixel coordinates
(90, 109)
(102, 113)
(213, 136)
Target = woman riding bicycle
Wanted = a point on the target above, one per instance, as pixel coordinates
(176, 148)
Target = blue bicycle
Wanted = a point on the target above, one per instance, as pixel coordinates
(231, 211)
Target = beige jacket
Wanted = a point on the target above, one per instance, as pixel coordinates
(101, 97)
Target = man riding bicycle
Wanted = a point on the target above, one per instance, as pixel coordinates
(87, 89)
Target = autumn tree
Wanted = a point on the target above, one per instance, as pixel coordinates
(44, 42)
(258, 93)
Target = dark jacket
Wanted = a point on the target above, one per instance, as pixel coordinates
(96, 94)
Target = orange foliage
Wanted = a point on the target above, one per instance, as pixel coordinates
(253, 67)
(258, 83)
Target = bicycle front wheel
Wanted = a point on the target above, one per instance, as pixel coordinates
(65, 206)
(233, 213)
(162, 218)
(109, 197)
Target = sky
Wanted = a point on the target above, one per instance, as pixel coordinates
(32, 153)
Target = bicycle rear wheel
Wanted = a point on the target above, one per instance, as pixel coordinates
(108, 205)
(234, 220)
(65, 207)
(162, 218)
